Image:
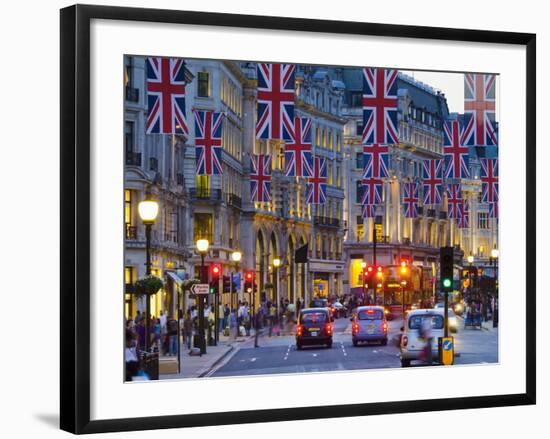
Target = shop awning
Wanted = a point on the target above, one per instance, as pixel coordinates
(177, 280)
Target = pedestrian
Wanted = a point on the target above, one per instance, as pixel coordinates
(172, 332)
(188, 329)
(156, 335)
(246, 318)
(257, 326)
(211, 319)
(130, 355)
(139, 316)
(226, 312)
(233, 324)
(272, 318)
(426, 334)
(140, 331)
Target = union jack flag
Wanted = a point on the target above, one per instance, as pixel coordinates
(275, 101)
(376, 161)
(410, 199)
(166, 96)
(298, 157)
(372, 191)
(456, 152)
(317, 183)
(432, 174)
(380, 107)
(260, 178)
(479, 101)
(454, 200)
(493, 210)
(489, 180)
(208, 142)
(368, 210)
(463, 218)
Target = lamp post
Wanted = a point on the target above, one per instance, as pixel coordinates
(494, 258)
(403, 285)
(276, 265)
(470, 260)
(148, 211)
(202, 247)
(363, 267)
(236, 257)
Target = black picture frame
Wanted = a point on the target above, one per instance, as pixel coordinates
(75, 217)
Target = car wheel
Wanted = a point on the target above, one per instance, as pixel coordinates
(355, 343)
(298, 346)
(329, 344)
(405, 363)
(384, 342)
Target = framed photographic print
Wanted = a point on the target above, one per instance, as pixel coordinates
(274, 207)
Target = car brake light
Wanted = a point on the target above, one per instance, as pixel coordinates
(355, 327)
(299, 330)
(404, 340)
(370, 311)
(385, 326)
(328, 328)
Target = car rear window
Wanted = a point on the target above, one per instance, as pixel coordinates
(313, 317)
(415, 322)
(320, 303)
(370, 314)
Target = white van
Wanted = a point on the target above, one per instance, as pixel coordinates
(412, 344)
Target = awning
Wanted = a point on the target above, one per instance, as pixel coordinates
(177, 280)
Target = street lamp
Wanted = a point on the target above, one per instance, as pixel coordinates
(276, 265)
(494, 258)
(148, 211)
(364, 276)
(470, 260)
(403, 285)
(202, 247)
(236, 257)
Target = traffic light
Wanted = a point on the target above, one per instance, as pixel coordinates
(226, 284)
(379, 272)
(368, 271)
(248, 281)
(404, 269)
(216, 271)
(446, 261)
(214, 286)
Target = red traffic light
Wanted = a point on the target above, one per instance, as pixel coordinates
(216, 270)
(370, 268)
(249, 275)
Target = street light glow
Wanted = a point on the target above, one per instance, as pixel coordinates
(276, 262)
(236, 256)
(202, 245)
(148, 211)
(470, 259)
(494, 253)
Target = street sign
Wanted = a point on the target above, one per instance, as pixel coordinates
(446, 350)
(200, 289)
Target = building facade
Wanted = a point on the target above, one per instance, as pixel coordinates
(219, 207)
(421, 114)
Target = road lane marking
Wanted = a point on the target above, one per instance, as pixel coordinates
(343, 349)
(287, 352)
(253, 359)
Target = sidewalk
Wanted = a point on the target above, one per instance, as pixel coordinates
(199, 366)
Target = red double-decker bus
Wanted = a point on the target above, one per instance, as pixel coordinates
(416, 291)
